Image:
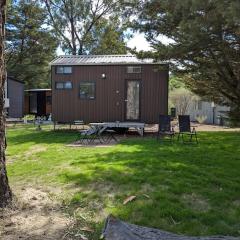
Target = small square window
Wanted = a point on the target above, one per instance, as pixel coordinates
(87, 90)
(59, 85)
(67, 70)
(134, 69)
(68, 85)
(59, 70)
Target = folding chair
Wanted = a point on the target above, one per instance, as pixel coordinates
(185, 129)
(108, 135)
(89, 136)
(164, 128)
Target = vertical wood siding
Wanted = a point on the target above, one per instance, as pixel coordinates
(16, 98)
(109, 104)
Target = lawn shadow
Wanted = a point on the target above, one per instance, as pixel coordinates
(176, 185)
(42, 137)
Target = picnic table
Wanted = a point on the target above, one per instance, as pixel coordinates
(102, 126)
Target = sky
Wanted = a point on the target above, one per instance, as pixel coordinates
(139, 42)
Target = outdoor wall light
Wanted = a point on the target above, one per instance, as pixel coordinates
(103, 75)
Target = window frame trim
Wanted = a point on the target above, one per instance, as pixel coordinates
(79, 94)
(63, 70)
(63, 85)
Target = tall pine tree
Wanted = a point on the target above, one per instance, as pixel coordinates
(205, 44)
(31, 45)
(109, 36)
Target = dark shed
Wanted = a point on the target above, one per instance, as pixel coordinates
(97, 88)
(15, 94)
(38, 102)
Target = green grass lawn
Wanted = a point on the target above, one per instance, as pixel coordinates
(187, 189)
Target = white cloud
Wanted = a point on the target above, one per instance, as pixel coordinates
(139, 42)
(60, 51)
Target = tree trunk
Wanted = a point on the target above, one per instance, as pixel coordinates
(5, 191)
(118, 230)
(74, 47)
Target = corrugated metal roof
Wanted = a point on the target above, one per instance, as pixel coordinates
(99, 60)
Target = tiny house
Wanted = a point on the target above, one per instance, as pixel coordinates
(14, 97)
(107, 88)
(38, 102)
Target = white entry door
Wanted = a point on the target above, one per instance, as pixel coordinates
(132, 100)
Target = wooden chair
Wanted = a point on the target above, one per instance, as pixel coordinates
(185, 129)
(164, 128)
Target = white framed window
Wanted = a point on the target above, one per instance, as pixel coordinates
(134, 69)
(63, 70)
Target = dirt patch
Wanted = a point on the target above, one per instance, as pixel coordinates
(94, 144)
(195, 202)
(12, 159)
(199, 127)
(34, 216)
(35, 149)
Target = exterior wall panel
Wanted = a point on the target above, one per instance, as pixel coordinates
(109, 104)
(16, 98)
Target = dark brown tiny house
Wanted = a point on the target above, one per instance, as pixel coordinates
(96, 88)
(38, 102)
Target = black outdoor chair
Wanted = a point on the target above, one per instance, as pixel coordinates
(185, 129)
(165, 129)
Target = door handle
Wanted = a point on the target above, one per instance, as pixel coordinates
(126, 100)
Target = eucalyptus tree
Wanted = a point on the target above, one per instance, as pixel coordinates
(76, 22)
(31, 44)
